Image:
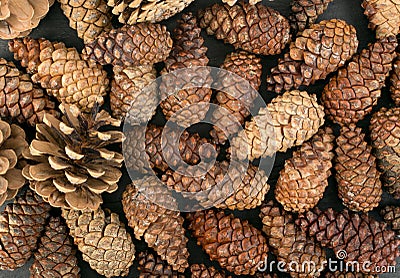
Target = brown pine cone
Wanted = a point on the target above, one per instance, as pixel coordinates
(340, 274)
(235, 94)
(302, 181)
(358, 178)
(62, 72)
(319, 50)
(395, 81)
(233, 242)
(160, 227)
(151, 266)
(130, 46)
(88, 18)
(362, 238)
(233, 2)
(351, 94)
(203, 271)
(254, 28)
(21, 224)
(290, 244)
(55, 256)
(391, 214)
(288, 121)
(103, 240)
(385, 137)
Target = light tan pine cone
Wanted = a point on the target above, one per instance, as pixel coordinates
(203, 271)
(151, 266)
(391, 215)
(395, 80)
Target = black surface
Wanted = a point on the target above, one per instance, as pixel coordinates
(55, 27)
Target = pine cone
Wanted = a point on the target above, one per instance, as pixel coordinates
(132, 11)
(62, 72)
(151, 266)
(88, 18)
(383, 16)
(358, 179)
(186, 106)
(391, 214)
(305, 13)
(235, 95)
(354, 90)
(395, 81)
(303, 179)
(21, 224)
(362, 238)
(103, 240)
(254, 28)
(55, 256)
(233, 242)
(134, 93)
(130, 46)
(161, 228)
(71, 166)
(339, 274)
(290, 244)
(288, 121)
(203, 271)
(233, 2)
(385, 137)
(317, 51)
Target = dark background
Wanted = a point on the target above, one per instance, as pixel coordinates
(55, 27)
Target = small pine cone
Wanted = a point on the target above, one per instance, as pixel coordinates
(302, 181)
(62, 72)
(88, 18)
(151, 266)
(254, 28)
(383, 16)
(305, 13)
(235, 95)
(351, 94)
(385, 137)
(362, 238)
(317, 51)
(395, 81)
(290, 244)
(55, 256)
(160, 227)
(203, 271)
(21, 224)
(130, 46)
(103, 240)
(358, 178)
(288, 121)
(233, 242)
(340, 274)
(133, 93)
(391, 214)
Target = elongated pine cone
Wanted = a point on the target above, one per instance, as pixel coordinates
(342, 274)
(70, 164)
(289, 120)
(151, 266)
(238, 83)
(304, 178)
(391, 215)
(356, 172)
(203, 271)
(133, 93)
(103, 240)
(88, 18)
(55, 256)
(233, 242)
(395, 80)
(130, 46)
(352, 93)
(132, 11)
(254, 28)
(317, 51)
(62, 72)
(290, 244)
(21, 224)
(160, 227)
(385, 137)
(362, 238)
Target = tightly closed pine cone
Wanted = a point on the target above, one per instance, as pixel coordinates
(151, 266)
(62, 72)
(362, 238)
(233, 242)
(317, 51)
(203, 271)
(71, 165)
(391, 214)
(358, 178)
(21, 224)
(103, 240)
(254, 28)
(395, 81)
(88, 18)
(340, 274)
(55, 256)
(130, 46)
(385, 137)
(288, 121)
(302, 181)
